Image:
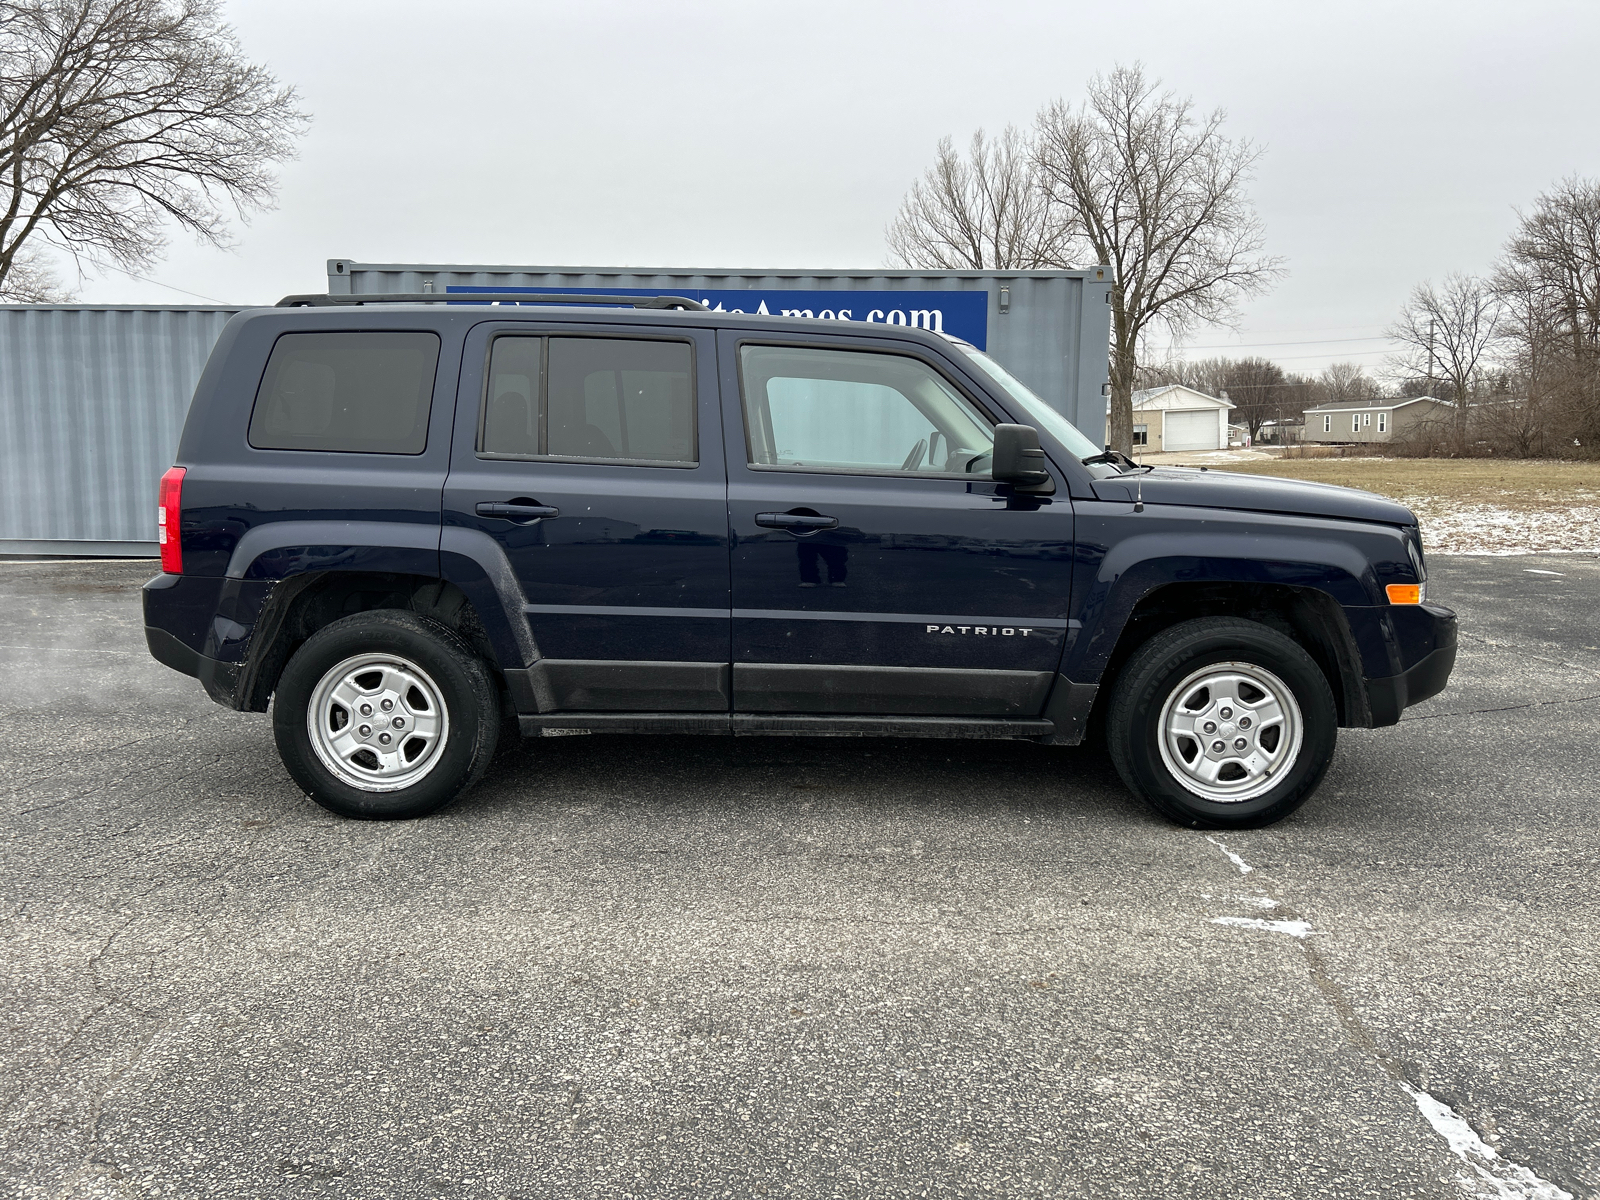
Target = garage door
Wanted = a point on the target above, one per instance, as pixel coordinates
(1195, 430)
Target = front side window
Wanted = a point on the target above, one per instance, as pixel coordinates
(1327, 424)
(1355, 423)
(1141, 435)
(843, 410)
(1383, 422)
(592, 399)
(363, 393)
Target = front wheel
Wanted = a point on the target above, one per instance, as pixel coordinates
(385, 714)
(1222, 723)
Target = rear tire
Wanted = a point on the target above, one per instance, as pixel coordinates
(385, 715)
(1222, 723)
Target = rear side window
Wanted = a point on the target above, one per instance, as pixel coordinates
(592, 399)
(363, 393)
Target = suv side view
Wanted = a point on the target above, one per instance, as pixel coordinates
(414, 525)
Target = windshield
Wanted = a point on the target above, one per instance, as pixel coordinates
(1042, 415)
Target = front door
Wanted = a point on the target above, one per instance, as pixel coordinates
(877, 568)
(593, 456)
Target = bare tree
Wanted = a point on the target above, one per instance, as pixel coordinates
(1549, 279)
(1450, 332)
(1347, 383)
(984, 212)
(1157, 192)
(118, 117)
(1256, 387)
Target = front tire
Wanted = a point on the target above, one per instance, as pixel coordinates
(1222, 723)
(385, 715)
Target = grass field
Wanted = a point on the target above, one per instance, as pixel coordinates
(1470, 506)
(1524, 485)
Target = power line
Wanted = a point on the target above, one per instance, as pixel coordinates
(1378, 337)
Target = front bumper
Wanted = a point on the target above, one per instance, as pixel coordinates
(1426, 637)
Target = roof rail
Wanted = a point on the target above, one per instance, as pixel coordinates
(323, 300)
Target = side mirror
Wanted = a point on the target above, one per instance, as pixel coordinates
(1018, 459)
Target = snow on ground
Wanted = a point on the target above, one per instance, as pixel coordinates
(1449, 527)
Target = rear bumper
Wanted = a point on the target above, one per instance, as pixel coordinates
(1433, 633)
(186, 629)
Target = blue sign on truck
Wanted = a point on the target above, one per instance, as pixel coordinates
(961, 314)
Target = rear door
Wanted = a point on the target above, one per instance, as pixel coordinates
(877, 568)
(592, 454)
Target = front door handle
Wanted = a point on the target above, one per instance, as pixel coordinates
(789, 520)
(517, 512)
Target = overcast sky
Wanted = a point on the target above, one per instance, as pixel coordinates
(1400, 137)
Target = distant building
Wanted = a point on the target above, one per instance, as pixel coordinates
(1175, 417)
(1288, 432)
(1381, 420)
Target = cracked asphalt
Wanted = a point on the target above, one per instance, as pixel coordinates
(791, 967)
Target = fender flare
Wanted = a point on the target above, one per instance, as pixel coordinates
(1138, 566)
(279, 560)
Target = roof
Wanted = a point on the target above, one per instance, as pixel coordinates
(1146, 395)
(1375, 405)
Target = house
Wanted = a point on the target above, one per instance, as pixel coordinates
(1376, 420)
(1175, 417)
(1287, 432)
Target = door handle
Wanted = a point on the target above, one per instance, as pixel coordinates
(517, 512)
(777, 520)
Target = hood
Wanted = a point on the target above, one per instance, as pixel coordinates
(1255, 493)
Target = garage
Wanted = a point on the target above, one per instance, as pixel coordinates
(1192, 429)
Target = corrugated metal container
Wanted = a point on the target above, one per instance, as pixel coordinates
(92, 400)
(1049, 328)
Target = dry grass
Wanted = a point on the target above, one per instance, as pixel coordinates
(1520, 485)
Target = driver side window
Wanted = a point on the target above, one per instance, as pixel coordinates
(841, 410)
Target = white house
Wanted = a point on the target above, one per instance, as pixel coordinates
(1175, 417)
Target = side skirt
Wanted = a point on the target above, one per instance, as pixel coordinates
(767, 725)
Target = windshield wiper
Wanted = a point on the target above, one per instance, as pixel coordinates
(1116, 458)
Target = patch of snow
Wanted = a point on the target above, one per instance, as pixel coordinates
(1244, 867)
(1296, 929)
(1537, 571)
(1258, 901)
(1452, 528)
(1497, 1177)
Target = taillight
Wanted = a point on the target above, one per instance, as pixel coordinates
(168, 529)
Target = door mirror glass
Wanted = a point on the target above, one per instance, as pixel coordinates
(1018, 460)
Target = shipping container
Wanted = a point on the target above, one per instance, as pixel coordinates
(93, 397)
(92, 400)
(1050, 329)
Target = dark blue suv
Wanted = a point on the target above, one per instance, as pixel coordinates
(412, 525)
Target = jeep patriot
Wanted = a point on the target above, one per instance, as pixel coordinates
(415, 526)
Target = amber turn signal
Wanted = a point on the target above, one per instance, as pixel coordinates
(1404, 593)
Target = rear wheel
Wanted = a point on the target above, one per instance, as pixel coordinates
(1222, 723)
(385, 714)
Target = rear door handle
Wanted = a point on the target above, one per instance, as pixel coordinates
(796, 521)
(517, 512)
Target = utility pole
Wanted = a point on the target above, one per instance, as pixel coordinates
(1430, 356)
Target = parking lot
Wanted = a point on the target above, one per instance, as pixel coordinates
(795, 967)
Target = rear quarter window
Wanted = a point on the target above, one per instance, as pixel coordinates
(362, 393)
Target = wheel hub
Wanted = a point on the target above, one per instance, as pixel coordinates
(378, 722)
(1229, 730)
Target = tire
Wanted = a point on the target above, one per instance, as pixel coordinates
(412, 685)
(1187, 678)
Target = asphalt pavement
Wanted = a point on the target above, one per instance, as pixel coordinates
(664, 966)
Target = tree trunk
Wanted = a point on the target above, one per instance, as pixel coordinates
(1119, 423)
